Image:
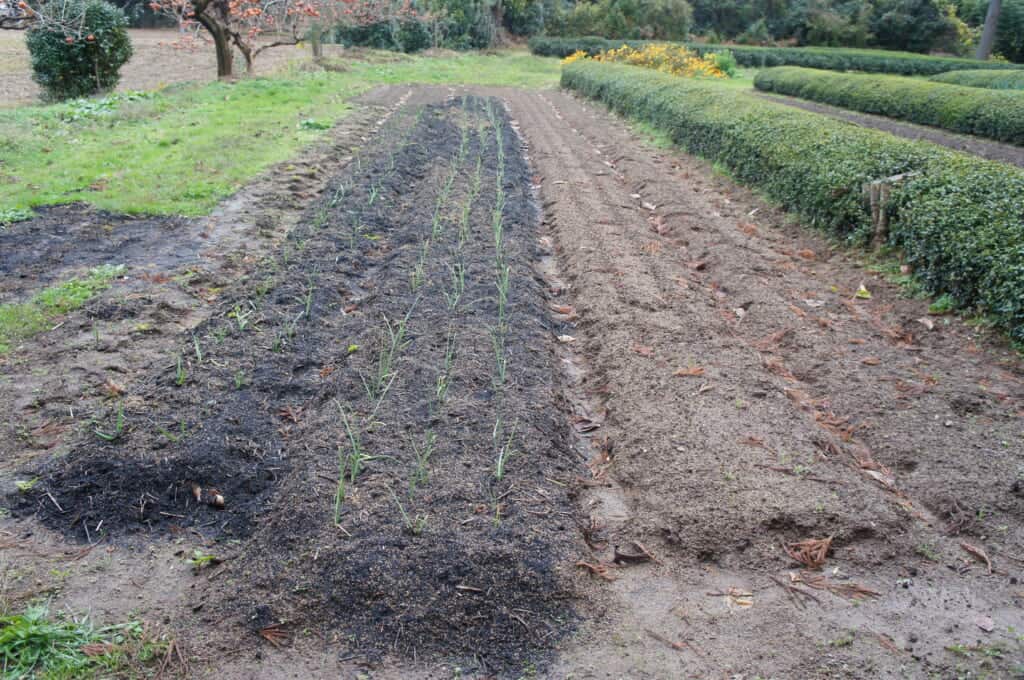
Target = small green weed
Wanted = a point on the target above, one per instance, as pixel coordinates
(33, 644)
(9, 216)
(20, 321)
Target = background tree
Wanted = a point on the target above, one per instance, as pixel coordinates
(77, 47)
(988, 33)
(239, 24)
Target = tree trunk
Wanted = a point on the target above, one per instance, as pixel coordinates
(222, 43)
(247, 53)
(498, 16)
(988, 34)
(316, 32)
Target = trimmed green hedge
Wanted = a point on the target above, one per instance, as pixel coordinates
(829, 58)
(986, 113)
(959, 220)
(991, 79)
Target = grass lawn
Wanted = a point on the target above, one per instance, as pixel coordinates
(182, 149)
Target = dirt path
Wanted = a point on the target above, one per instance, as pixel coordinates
(692, 384)
(802, 412)
(976, 146)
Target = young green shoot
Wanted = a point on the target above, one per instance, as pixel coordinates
(339, 491)
(502, 446)
(118, 426)
(414, 525)
(180, 374)
(457, 284)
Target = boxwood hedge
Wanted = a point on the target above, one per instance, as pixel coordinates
(959, 220)
(988, 78)
(829, 58)
(987, 113)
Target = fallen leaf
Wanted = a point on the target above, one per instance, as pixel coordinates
(692, 370)
(644, 350)
(979, 554)
(740, 599)
(927, 323)
(807, 254)
(862, 293)
(566, 338)
(648, 206)
(871, 361)
(599, 569)
(811, 553)
(814, 303)
(98, 649)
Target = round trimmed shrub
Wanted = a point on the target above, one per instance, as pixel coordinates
(68, 65)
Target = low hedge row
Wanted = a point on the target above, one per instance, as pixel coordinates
(996, 114)
(991, 79)
(829, 58)
(959, 220)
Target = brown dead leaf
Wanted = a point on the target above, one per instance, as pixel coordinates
(858, 341)
(112, 388)
(600, 569)
(326, 371)
(678, 646)
(807, 254)
(98, 648)
(275, 635)
(871, 361)
(690, 371)
(644, 350)
(292, 413)
(748, 228)
(811, 553)
(851, 591)
(979, 554)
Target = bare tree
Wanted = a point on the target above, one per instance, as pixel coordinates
(59, 15)
(988, 34)
(240, 24)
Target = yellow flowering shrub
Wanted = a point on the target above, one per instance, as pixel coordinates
(575, 56)
(676, 60)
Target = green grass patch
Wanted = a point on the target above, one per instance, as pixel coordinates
(22, 320)
(9, 216)
(35, 645)
(183, 149)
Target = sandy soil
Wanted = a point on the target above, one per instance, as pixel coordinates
(727, 395)
(155, 63)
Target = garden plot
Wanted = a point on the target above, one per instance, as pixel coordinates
(368, 428)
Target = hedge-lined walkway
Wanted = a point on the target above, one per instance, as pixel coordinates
(983, 148)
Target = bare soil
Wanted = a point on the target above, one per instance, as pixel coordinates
(693, 387)
(976, 146)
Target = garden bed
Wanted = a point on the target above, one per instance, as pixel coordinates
(372, 413)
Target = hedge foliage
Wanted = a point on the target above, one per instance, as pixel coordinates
(829, 58)
(988, 78)
(959, 220)
(67, 66)
(987, 113)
